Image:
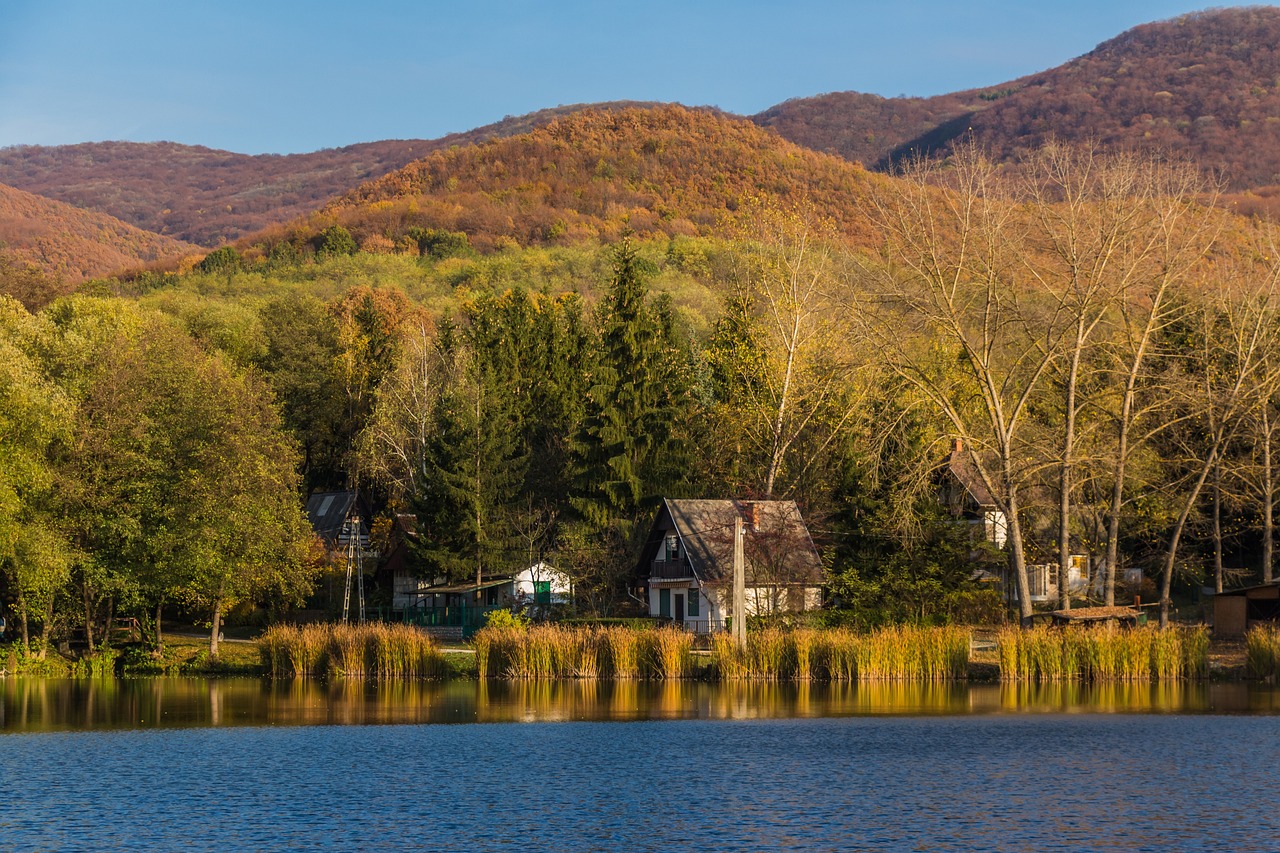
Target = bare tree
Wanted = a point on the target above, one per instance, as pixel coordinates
(1109, 237)
(788, 356)
(950, 315)
(1234, 332)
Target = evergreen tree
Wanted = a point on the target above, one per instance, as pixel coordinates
(477, 465)
(626, 449)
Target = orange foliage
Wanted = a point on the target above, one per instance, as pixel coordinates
(596, 174)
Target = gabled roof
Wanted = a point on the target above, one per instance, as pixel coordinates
(960, 466)
(777, 548)
(328, 513)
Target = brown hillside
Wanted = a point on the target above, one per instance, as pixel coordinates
(73, 244)
(208, 196)
(1204, 86)
(667, 170)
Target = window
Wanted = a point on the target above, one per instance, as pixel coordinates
(664, 602)
(542, 592)
(673, 548)
(693, 601)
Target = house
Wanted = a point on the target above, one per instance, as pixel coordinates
(688, 561)
(541, 585)
(395, 569)
(965, 494)
(337, 516)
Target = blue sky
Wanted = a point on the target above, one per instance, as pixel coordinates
(284, 76)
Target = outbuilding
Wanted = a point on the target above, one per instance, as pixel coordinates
(1235, 611)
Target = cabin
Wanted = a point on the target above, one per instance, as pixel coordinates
(687, 561)
(964, 493)
(337, 516)
(1235, 611)
(395, 569)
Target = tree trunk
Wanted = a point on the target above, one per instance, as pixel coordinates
(1217, 527)
(1065, 475)
(1017, 558)
(159, 633)
(26, 631)
(1171, 556)
(88, 615)
(215, 629)
(1268, 498)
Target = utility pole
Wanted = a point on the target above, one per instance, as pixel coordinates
(739, 584)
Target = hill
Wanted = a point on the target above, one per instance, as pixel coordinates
(68, 243)
(593, 174)
(1205, 86)
(207, 196)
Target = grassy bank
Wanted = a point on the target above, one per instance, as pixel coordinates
(1102, 654)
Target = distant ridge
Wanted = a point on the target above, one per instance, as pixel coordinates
(206, 196)
(1205, 86)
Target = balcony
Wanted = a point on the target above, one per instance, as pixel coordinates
(670, 570)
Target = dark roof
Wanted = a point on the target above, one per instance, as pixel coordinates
(961, 466)
(777, 550)
(328, 513)
(1245, 590)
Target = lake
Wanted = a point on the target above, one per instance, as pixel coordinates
(189, 764)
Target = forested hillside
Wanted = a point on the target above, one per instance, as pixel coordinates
(71, 244)
(207, 196)
(594, 175)
(1204, 86)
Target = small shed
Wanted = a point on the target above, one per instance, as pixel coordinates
(1235, 611)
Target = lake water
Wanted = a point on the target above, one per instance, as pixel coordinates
(186, 764)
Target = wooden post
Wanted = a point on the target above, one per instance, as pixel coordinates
(739, 585)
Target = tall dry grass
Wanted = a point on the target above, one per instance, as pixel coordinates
(374, 650)
(1262, 652)
(553, 651)
(1102, 654)
(888, 654)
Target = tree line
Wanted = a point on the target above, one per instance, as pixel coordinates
(1094, 330)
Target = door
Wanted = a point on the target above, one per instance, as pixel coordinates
(678, 615)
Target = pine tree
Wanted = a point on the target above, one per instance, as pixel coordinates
(631, 405)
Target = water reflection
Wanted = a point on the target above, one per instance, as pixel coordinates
(29, 704)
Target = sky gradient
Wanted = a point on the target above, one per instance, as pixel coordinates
(280, 77)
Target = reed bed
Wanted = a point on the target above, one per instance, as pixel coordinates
(889, 654)
(553, 651)
(1262, 652)
(1102, 654)
(375, 650)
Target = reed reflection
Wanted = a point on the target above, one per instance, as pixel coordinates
(32, 705)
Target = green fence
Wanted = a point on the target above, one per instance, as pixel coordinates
(469, 617)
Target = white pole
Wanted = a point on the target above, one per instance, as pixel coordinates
(739, 585)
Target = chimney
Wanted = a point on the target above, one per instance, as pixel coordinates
(753, 516)
(957, 445)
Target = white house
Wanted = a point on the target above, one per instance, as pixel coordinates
(541, 584)
(688, 561)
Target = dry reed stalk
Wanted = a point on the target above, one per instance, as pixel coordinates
(348, 651)
(1262, 651)
(805, 646)
(730, 660)
(623, 645)
(669, 652)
